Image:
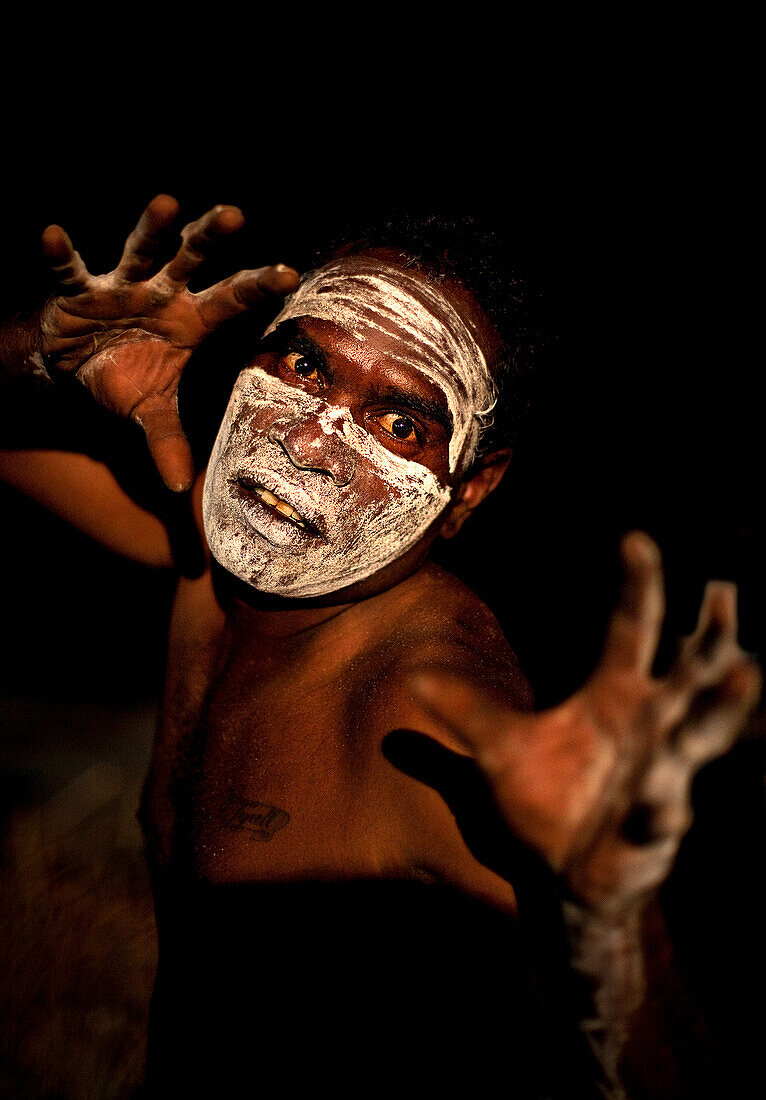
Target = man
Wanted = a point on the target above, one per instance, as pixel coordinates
(348, 783)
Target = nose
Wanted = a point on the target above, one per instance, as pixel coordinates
(309, 447)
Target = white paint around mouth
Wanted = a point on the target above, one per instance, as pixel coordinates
(357, 538)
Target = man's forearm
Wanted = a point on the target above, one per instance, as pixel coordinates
(607, 959)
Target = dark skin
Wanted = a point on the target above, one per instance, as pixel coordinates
(291, 701)
(132, 331)
(336, 647)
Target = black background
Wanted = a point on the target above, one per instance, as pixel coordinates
(634, 210)
(647, 408)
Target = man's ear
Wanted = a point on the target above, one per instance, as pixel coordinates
(485, 475)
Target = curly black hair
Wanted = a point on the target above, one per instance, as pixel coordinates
(463, 249)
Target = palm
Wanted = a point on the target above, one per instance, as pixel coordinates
(600, 784)
(129, 334)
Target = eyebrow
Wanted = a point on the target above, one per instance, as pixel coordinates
(290, 333)
(415, 402)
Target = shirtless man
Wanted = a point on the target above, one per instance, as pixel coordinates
(336, 705)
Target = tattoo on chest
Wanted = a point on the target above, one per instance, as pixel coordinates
(259, 819)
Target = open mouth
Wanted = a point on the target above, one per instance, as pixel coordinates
(251, 488)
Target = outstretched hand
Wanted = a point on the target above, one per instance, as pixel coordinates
(129, 334)
(600, 785)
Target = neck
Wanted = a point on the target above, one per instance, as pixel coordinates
(261, 614)
(273, 616)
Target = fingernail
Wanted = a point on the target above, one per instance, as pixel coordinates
(640, 549)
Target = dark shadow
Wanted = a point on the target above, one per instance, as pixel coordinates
(370, 985)
(462, 786)
(557, 993)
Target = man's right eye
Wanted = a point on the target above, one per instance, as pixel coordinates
(301, 365)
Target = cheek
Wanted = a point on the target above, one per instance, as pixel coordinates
(249, 426)
(437, 461)
(369, 487)
(385, 491)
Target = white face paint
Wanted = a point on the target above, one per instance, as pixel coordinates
(363, 507)
(361, 294)
(349, 506)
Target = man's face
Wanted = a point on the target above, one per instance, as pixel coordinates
(345, 438)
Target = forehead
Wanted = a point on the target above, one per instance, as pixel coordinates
(378, 362)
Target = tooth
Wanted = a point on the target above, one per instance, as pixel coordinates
(280, 505)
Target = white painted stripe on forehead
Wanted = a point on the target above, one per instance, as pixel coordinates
(360, 294)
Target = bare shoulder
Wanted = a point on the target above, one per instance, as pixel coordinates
(438, 620)
(417, 767)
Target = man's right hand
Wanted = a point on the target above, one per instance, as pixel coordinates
(129, 334)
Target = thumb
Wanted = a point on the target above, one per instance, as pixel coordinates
(167, 441)
(478, 720)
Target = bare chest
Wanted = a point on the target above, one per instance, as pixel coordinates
(266, 769)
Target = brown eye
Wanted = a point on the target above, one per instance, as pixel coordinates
(400, 427)
(302, 366)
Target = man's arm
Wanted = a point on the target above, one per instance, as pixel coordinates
(600, 785)
(86, 494)
(127, 337)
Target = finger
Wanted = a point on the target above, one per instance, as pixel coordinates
(715, 721)
(245, 289)
(706, 653)
(663, 804)
(144, 246)
(167, 442)
(477, 721)
(71, 273)
(634, 628)
(197, 239)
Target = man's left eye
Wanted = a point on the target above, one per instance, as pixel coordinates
(302, 366)
(400, 427)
